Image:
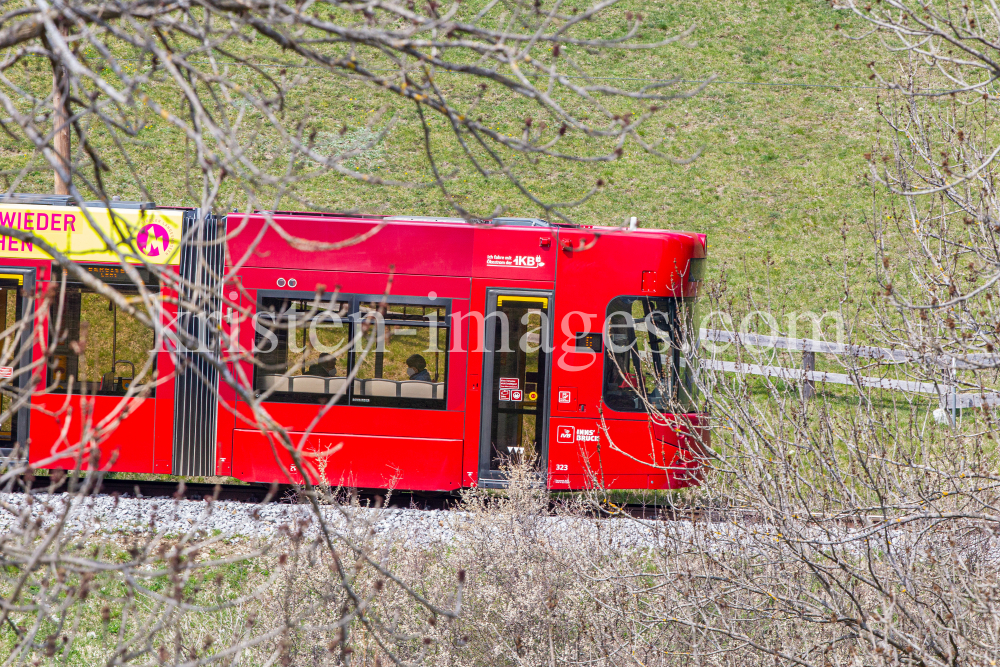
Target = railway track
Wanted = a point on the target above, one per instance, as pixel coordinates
(244, 493)
(259, 493)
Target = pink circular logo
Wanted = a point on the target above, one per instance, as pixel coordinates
(153, 240)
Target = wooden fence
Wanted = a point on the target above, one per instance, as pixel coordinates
(949, 397)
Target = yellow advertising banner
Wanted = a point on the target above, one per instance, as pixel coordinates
(155, 234)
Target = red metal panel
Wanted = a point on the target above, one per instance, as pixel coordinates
(580, 447)
(426, 464)
(235, 305)
(244, 334)
(566, 400)
(128, 443)
(375, 283)
(626, 481)
(360, 420)
(144, 439)
(515, 253)
(163, 431)
(474, 343)
(413, 248)
(163, 441)
(649, 282)
(595, 266)
(564, 482)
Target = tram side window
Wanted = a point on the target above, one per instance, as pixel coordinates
(301, 349)
(646, 363)
(405, 364)
(100, 347)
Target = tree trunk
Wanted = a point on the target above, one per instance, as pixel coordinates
(60, 125)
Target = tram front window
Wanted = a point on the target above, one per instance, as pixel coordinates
(647, 364)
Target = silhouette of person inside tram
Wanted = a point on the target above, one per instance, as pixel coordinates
(326, 366)
(416, 368)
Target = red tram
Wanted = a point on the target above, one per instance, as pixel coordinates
(514, 338)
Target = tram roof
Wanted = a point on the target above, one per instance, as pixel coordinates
(499, 222)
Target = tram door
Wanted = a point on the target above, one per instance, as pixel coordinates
(516, 372)
(15, 352)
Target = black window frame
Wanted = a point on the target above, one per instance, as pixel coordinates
(110, 274)
(678, 381)
(353, 319)
(304, 398)
(27, 277)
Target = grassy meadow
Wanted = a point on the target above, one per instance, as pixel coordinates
(782, 133)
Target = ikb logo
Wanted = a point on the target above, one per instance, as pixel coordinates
(515, 261)
(528, 261)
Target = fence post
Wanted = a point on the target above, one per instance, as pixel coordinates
(808, 364)
(954, 394)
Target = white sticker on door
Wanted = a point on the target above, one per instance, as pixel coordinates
(520, 261)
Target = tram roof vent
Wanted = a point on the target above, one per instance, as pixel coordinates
(66, 200)
(143, 205)
(421, 218)
(521, 222)
(40, 200)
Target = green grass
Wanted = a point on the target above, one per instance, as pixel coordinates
(93, 639)
(779, 177)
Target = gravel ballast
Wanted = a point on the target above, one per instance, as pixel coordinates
(414, 528)
(405, 527)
